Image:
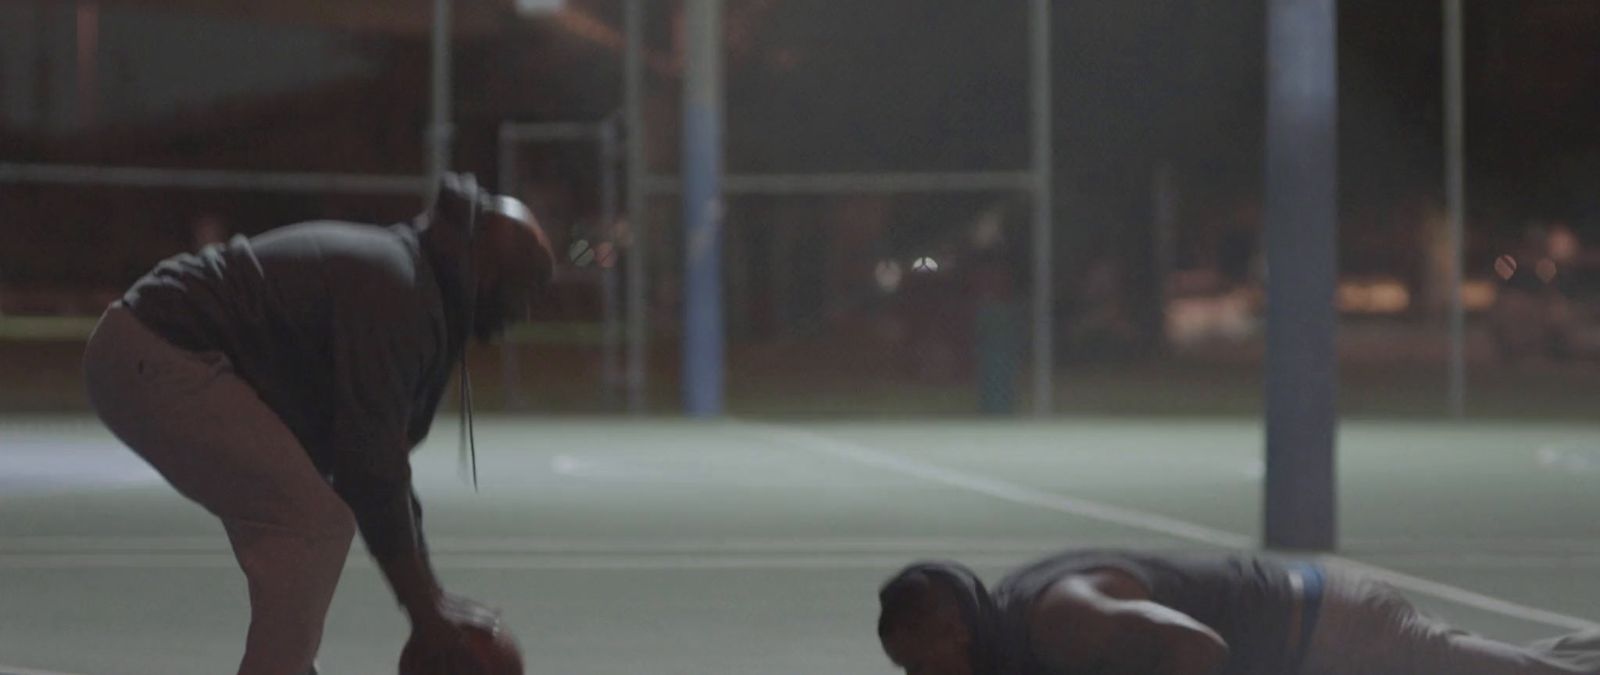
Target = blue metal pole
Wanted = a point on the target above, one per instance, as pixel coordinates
(702, 210)
(1043, 203)
(1302, 254)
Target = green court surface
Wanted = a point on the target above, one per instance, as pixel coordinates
(669, 547)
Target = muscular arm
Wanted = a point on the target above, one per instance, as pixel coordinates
(1098, 622)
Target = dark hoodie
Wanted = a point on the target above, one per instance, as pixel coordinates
(349, 332)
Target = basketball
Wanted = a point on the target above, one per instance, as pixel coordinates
(494, 650)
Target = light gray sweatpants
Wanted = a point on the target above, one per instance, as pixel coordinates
(1365, 627)
(208, 433)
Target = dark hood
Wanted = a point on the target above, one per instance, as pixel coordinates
(445, 231)
(978, 612)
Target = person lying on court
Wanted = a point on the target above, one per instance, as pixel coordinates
(1110, 612)
(281, 382)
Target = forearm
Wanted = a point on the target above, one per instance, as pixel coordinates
(1194, 657)
(387, 518)
(414, 585)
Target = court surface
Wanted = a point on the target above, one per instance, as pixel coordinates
(671, 547)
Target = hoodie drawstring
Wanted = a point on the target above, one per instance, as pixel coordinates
(469, 443)
(468, 450)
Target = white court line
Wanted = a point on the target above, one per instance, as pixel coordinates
(1487, 550)
(537, 554)
(25, 545)
(861, 454)
(551, 554)
(1011, 492)
(520, 562)
(1491, 560)
(1569, 457)
(18, 670)
(1489, 543)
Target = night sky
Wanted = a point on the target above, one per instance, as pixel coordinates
(931, 85)
(914, 84)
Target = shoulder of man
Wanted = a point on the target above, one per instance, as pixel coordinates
(329, 239)
(367, 272)
(347, 251)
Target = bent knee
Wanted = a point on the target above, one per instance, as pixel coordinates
(322, 519)
(333, 521)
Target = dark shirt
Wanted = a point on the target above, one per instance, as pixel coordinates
(341, 328)
(1246, 600)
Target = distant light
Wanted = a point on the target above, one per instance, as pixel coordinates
(925, 264)
(1384, 296)
(580, 253)
(1505, 266)
(888, 275)
(989, 229)
(1389, 298)
(605, 254)
(1478, 295)
(1563, 244)
(539, 7)
(1546, 269)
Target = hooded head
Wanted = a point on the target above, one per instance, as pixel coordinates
(937, 618)
(492, 256)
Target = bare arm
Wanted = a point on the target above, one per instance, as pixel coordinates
(385, 513)
(1092, 623)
